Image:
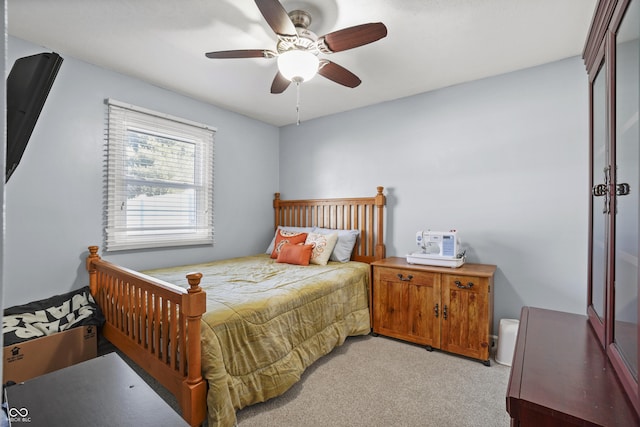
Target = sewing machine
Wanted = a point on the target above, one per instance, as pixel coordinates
(439, 248)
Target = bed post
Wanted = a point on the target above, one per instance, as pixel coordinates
(93, 280)
(276, 210)
(194, 305)
(380, 202)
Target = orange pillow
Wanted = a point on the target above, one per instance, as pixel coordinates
(283, 237)
(299, 254)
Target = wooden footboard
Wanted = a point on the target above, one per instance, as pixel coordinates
(157, 325)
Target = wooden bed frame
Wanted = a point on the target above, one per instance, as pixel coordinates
(157, 324)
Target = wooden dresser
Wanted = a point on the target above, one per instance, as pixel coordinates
(561, 376)
(450, 309)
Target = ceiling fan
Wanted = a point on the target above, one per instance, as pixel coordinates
(298, 48)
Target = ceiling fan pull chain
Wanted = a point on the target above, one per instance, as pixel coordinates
(298, 103)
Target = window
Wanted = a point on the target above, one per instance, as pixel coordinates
(158, 179)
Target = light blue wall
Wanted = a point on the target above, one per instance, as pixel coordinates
(54, 199)
(503, 160)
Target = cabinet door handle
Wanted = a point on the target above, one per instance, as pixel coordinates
(599, 190)
(444, 312)
(461, 286)
(623, 189)
(405, 279)
(436, 310)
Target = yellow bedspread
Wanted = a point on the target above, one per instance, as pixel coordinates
(266, 322)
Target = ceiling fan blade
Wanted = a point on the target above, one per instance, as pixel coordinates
(277, 18)
(243, 53)
(338, 74)
(351, 37)
(280, 83)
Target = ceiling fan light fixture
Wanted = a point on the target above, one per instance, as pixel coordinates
(298, 65)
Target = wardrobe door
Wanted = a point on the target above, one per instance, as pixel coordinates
(600, 173)
(627, 183)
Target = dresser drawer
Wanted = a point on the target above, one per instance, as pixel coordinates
(405, 275)
(466, 283)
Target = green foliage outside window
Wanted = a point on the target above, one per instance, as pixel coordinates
(157, 165)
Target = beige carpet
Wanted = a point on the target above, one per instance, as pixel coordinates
(376, 381)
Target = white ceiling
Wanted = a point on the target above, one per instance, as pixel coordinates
(430, 44)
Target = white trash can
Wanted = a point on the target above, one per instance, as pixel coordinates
(507, 341)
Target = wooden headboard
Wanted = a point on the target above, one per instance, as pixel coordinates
(365, 214)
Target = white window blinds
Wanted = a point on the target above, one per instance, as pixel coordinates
(158, 178)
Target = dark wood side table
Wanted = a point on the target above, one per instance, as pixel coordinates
(561, 375)
(103, 391)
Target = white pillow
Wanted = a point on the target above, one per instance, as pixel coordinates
(344, 246)
(323, 245)
(280, 227)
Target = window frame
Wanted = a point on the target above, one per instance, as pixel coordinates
(119, 234)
